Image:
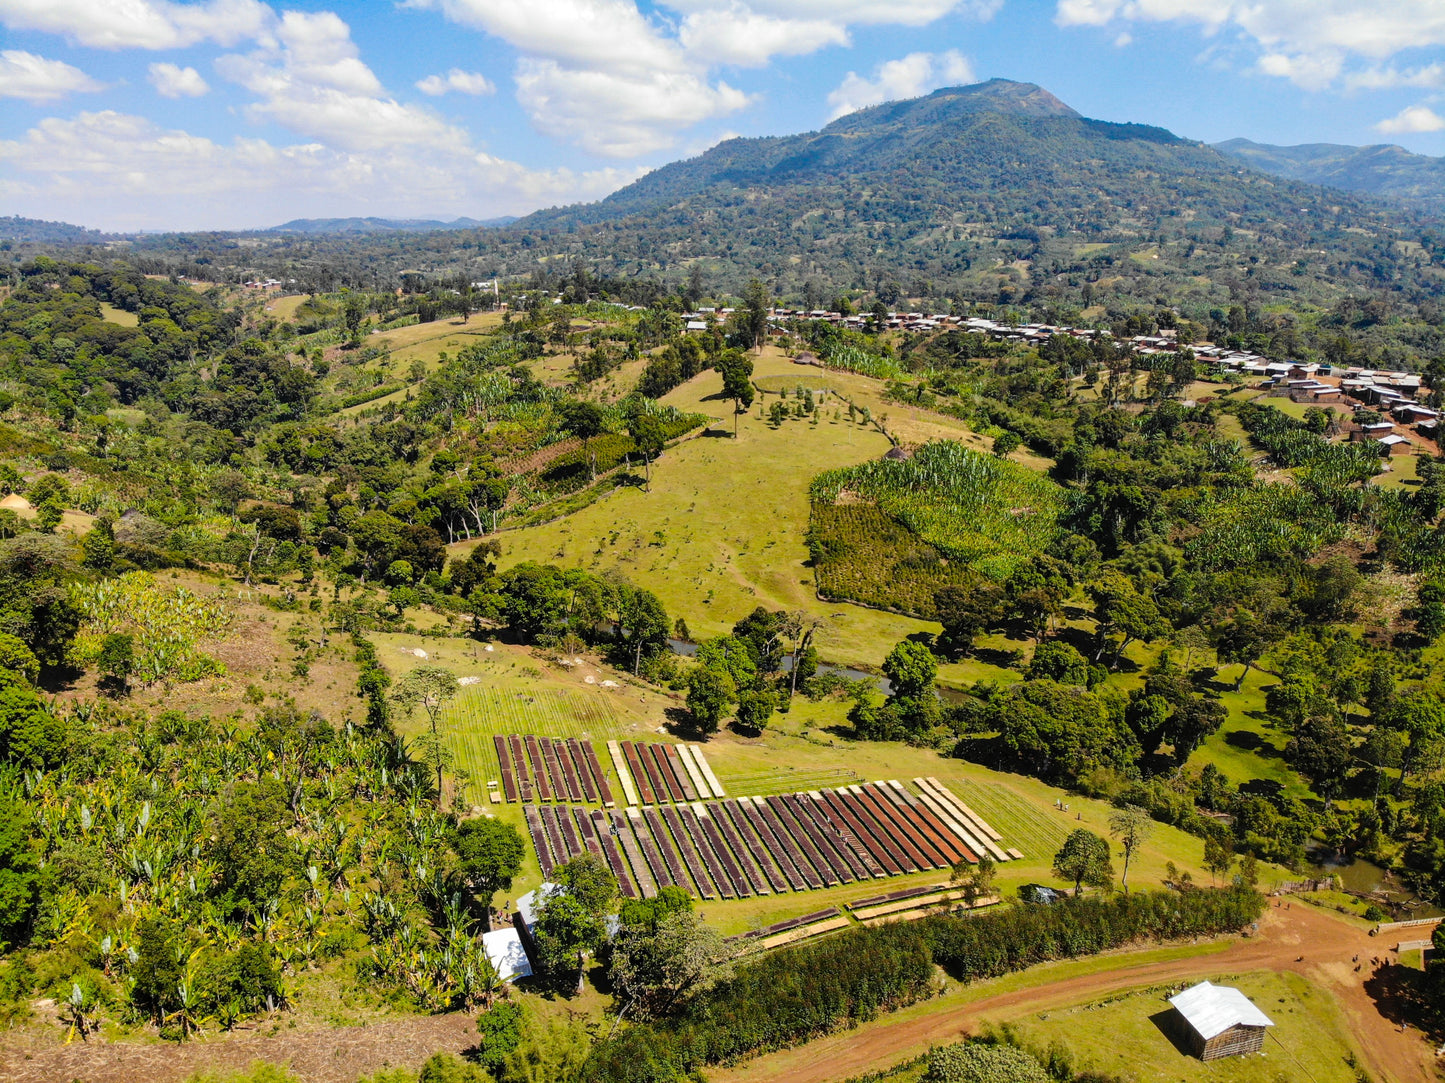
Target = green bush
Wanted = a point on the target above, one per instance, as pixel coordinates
(975, 1062)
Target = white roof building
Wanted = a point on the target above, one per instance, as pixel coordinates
(1213, 1009)
(504, 950)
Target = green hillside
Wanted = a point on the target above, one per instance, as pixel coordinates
(1383, 170)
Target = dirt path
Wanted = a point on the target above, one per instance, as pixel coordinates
(319, 1055)
(1372, 1002)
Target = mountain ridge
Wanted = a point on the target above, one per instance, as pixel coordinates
(1383, 170)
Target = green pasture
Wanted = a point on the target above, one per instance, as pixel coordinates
(118, 315)
(723, 529)
(1126, 1036)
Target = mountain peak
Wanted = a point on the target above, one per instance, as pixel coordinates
(1002, 96)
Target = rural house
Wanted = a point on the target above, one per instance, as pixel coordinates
(1218, 1021)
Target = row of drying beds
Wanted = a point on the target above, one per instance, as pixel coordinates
(741, 847)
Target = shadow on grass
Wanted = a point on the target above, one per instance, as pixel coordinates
(1167, 1023)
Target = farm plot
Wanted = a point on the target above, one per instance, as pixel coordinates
(479, 714)
(1037, 831)
(766, 784)
(946, 507)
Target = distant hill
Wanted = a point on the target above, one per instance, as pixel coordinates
(994, 192)
(384, 225)
(36, 231)
(1384, 170)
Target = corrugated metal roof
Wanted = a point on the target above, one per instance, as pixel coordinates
(1213, 1009)
(504, 949)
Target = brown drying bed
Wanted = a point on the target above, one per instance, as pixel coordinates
(792, 923)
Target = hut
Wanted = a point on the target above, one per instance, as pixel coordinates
(1218, 1021)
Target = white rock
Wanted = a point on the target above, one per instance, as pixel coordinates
(589, 679)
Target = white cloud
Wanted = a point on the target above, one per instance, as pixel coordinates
(598, 35)
(1312, 71)
(1412, 119)
(36, 79)
(171, 81)
(907, 77)
(1124, 40)
(736, 34)
(1306, 41)
(141, 24)
(1430, 76)
(463, 82)
(76, 168)
(619, 115)
(607, 76)
(313, 82)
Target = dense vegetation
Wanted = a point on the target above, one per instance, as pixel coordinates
(800, 993)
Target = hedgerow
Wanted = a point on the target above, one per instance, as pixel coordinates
(794, 996)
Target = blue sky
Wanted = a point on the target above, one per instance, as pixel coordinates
(155, 114)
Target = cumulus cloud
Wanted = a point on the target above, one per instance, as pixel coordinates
(141, 24)
(1306, 41)
(1411, 120)
(313, 82)
(1431, 75)
(172, 81)
(854, 12)
(735, 34)
(76, 168)
(907, 77)
(37, 79)
(591, 71)
(463, 82)
(619, 115)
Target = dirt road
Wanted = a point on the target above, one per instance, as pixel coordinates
(1372, 1002)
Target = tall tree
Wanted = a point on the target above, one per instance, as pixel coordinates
(430, 688)
(737, 374)
(648, 436)
(584, 420)
(1132, 826)
(573, 917)
(1084, 859)
(754, 316)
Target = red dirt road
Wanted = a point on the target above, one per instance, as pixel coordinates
(1369, 1000)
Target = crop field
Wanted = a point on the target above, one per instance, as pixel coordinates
(477, 713)
(972, 507)
(863, 555)
(1038, 832)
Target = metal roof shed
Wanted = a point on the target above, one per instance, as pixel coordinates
(1220, 1021)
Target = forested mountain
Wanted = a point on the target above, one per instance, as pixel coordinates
(35, 230)
(384, 225)
(996, 193)
(1384, 170)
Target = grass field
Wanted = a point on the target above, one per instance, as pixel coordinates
(118, 315)
(1126, 1036)
(723, 529)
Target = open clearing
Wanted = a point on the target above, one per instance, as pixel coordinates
(723, 529)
